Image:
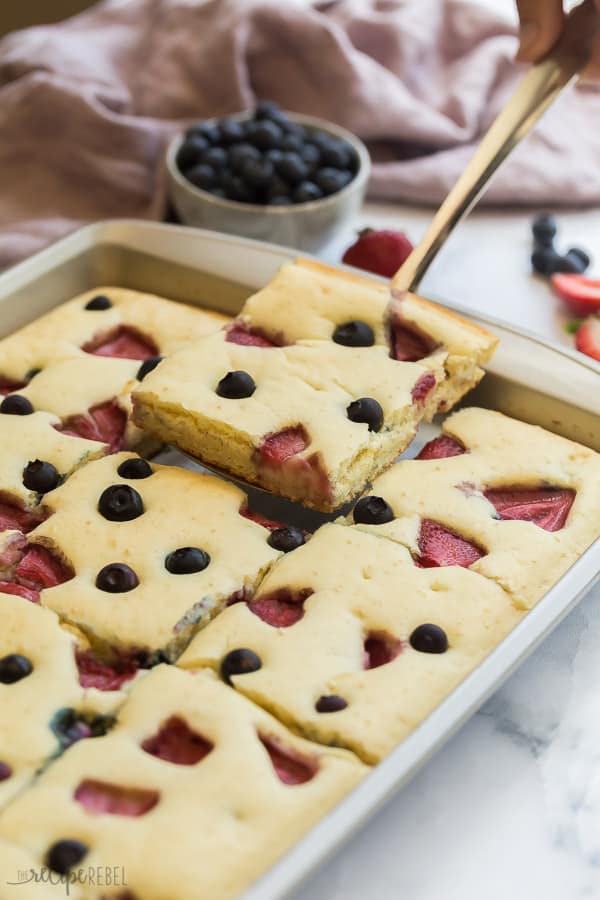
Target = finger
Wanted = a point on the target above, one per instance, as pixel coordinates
(541, 26)
(592, 70)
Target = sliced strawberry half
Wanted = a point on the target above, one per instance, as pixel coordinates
(440, 546)
(8, 385)
(176, 742)
(115, 799)
(548, 508)
(279, 446)
(18, 590)
(14, 518)
(239, 334)
(587, 339)
(106, 423)
(280, 608)
(580, 294)
(423, 388)
(271, 524)
(408, 344)
(380, 648)
(13, 551)
(290, 767)
(441, 447)
(39, 569)
(123, 342)
(96, 673)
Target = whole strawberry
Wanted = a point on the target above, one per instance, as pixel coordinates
(587, 339)
(382, 252)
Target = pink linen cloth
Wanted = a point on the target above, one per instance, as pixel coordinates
(88, 106)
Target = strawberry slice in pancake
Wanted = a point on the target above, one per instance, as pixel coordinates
(548, 508)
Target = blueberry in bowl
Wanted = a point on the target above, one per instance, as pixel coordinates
(268, 174)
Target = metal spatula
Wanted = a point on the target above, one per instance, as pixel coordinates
(536, 92)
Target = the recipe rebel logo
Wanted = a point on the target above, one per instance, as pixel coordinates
(89, 876)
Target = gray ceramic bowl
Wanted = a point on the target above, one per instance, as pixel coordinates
(306, 226)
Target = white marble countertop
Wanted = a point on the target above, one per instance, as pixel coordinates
(510, 808)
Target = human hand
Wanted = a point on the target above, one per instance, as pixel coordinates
(542, 23)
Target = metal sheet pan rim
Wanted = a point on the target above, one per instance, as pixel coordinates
(323, 839)
(87, 235)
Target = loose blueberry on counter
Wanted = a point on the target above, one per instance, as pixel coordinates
(236, 386)
(5, 771)
(135, 468)
(239, 662)
(14, 667)
(574, 262)
(186, 561)
(580, 254)
(120, 503)
(116, 578)
(373, 511)
(285, 539)
(366, 411)
(330, 703)
(65, 854)
(40, 476)
(544, 229)
(100, 301)
(16, 405)
(354, 334)
(429, 639)
(148, 366)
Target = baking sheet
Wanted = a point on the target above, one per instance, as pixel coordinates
(529, 378)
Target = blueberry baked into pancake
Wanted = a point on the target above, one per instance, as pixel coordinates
(385, 639)
(509, 500)
(185, 745)
(80, 360)
(302, 395)
(148, 553)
